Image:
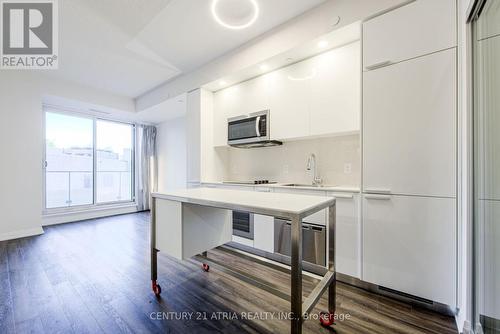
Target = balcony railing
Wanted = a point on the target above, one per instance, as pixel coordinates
(73, 188)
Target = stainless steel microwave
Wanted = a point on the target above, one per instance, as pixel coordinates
(252, 130)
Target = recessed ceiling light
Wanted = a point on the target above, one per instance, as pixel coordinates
(264, 67)
(222, 83)
(322, 44)
(253, 18)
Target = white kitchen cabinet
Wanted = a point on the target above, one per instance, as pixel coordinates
(409, 245)
(263, 230)
(193, 136)
(348, 244)
(252, 96)
(409, 127)
(335, 100)
(416, 29)
(225, 102)
(315, 97)
(243, 241)
(290, 91)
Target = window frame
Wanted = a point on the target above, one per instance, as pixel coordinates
(95, 205)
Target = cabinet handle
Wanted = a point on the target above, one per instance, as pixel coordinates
(378, 191)
(378, 197)
(257, 126)
(377, 65)
(343, 196)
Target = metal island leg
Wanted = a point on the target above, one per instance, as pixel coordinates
(296, 273)
(154, 252)
(328, 319)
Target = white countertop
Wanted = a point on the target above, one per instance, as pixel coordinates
(275, 204)
(341, 188)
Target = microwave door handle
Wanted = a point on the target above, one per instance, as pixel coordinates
(257, 126)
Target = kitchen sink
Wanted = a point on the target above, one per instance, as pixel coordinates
(306, 185)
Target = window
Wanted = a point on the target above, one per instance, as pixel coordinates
(114, 161)
(83, 153)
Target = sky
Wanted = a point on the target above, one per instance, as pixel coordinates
(66, 131)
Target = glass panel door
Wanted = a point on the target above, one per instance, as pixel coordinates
(486, 42)
(69, 158)
(114, 143)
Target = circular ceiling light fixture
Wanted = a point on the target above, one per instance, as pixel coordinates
(235, 15)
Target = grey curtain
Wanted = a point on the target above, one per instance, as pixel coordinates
(147, 173)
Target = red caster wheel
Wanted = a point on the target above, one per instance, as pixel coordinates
(205, 267)
(156, 288)
(327, 319)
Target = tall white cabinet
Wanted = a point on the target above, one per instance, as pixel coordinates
(409, 150)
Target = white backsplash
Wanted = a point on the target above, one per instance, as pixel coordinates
(287, 163)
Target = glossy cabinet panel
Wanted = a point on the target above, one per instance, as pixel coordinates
(336, 91)
(409, 127)
(314, 97)
(409, 245)
(263, 228)
(290, 105)
(416, 29)
(348, 248)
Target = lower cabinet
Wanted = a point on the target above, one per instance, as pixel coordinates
(348, 248)
(263, 230)
(409, 245)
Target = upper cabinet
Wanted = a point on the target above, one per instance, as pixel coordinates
(315, 97)
(419, 28)
(409, 127)
(335, 92)
(289, 89)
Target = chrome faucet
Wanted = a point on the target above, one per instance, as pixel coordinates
(311, 165)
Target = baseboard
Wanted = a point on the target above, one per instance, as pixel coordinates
(93, 213)
(21, 233)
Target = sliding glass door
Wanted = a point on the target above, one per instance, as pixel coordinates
(114, 142)
(69, 160)
(486, 43)
(89, 161)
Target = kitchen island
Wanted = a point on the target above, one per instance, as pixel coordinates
(187, 223)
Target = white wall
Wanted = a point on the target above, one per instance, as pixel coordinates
(172, 157)
(287, 163)
(21, 143)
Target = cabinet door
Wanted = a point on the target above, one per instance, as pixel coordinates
(336, 91)
(263, 229)
(409, 127)
(419, 28)
(224, 102)
(289, 96)
(193, 137)
(250, 96)
(347, 252)
(409, 245)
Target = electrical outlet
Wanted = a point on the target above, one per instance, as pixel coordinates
(348, 168)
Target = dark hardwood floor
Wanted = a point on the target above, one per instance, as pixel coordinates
(93, 277)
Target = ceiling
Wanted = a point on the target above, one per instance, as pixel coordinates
(131, 46)
(334, 39)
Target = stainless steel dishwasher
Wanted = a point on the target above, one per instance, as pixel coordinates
(313, 241)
